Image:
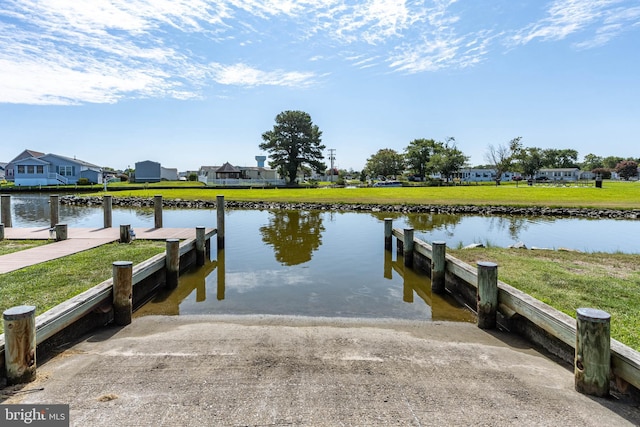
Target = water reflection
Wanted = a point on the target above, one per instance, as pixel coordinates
(294, 235)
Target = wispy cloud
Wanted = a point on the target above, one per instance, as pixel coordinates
(245, 75)
(100, 51)
(597, 20)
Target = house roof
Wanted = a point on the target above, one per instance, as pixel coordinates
(227, 168)
(27, 154)
(69, 159)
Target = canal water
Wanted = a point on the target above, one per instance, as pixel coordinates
(319, 263)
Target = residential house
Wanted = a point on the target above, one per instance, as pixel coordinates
(52, 169)
(149, 171)
(563, 174)
(10, 170)
(3, 166)
(482, 175)
(228, 174)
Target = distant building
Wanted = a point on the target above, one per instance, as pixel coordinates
(3, 166)
(228, 174)
(150, 171)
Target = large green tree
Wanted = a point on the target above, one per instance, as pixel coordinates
(447, 159)
(386, 162)
(418, 154)
(560, 158)
(529, 161)
(294, 141)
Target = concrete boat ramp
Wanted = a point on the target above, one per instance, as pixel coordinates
(78, 239)
(296, 371)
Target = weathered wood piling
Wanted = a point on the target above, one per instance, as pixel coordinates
(592, 367)
(487, 294)
(438, 264)
(388, 234)
(20, 344)
(408, 247)
(157, 211)
(220, 220)
(5, 210)
(172, 263)
(125, 233)
(107, 211)
(200, 245)
(54, 209)
(1, 232)
(122, 292)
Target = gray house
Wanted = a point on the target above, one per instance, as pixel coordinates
(53, 169)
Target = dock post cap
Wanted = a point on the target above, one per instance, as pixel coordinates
(18, 312)
(593, 314)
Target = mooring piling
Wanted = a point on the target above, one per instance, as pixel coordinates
(438, 263)
(5, 210)
(592, 364)
(122, 292)
(220, 220)
(20, 344)
(157, 211)
(388, 234)
(107, 210)
(172, 263)
(200, 245)
(54, 209)
(408, 247)
(487, 294)
(125, 233)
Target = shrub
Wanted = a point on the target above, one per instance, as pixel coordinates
(84, 181)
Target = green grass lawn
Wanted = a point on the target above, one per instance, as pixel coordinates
(613, 195)
(9, 246)
(568, 281)
(51, 283)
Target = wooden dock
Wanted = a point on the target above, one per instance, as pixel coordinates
(78, 240)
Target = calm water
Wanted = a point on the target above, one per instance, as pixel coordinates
(325, 263)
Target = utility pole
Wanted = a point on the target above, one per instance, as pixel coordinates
(332, 157)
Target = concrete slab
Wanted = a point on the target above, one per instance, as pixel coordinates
(255, 370)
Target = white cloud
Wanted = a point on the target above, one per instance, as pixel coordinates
(244, 75)
(606, 18)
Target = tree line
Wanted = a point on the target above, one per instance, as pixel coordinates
(295, 145)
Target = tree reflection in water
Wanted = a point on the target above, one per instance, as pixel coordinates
(294, 235)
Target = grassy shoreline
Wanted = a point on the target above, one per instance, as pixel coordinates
(614, 195)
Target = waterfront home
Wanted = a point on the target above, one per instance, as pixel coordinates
(228, 174)
(32, 168)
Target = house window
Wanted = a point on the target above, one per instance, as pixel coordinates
(40, 169)
(65, 170)
(20, 168)
(30, 169)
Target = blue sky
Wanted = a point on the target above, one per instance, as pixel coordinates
(196, 82)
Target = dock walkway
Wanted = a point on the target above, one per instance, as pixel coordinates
(78, 240)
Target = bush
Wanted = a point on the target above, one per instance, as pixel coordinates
(84, 181)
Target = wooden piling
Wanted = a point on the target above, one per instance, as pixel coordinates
(220, 220)
(172, 263)
(5, 210)
(157, 211)
(408, 247)
(487, 294)
(125, 233)
(61, 232)
(107, 211)
(20, 344)
(200, 245)
(1, 232)
(438, 263)
(592, 367)
(122, 292)
(54, 208)
(388, 234)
